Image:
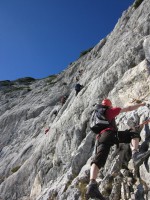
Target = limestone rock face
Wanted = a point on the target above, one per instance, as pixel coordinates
(35, 165)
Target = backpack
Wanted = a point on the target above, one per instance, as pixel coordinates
(78, 86)
(98, 121)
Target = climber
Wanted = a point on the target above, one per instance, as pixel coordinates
(78, 87)
(55, 112)
(63, 100)
(46, 130)
(80, 72)
(107, 138)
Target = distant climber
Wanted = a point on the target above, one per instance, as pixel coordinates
(52, 116)
(78, 87)
(107, 138)
(55, 112)
(63, 99)
(46, 130)
(80, 72)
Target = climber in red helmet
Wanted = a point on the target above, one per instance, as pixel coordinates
(107, 138)
(107, 102)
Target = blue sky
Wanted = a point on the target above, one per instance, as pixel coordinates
(42, 37)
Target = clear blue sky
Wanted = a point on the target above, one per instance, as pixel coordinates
(42, 37)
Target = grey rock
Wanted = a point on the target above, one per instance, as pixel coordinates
(146, 46)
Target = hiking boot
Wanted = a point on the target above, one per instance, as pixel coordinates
(93, 192)
(138, 158)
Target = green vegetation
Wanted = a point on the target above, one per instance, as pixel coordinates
(5, 83)
(13, 89)
(45, 89)
(137, 3)
(82, 187)
(15, 169)
(67, 185)
(85, 52)
(25, 80)
(28, 89)
(51, 79)
(53, 195)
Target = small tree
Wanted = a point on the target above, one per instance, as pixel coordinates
(137, 3)
(15, 169)
(85, 52)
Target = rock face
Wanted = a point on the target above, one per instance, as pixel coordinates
(55, 165)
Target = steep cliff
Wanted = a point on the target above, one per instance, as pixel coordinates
(39, 166)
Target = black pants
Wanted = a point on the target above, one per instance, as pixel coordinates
(77, 91)
(108, 139)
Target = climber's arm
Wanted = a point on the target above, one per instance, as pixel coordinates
(130, 108)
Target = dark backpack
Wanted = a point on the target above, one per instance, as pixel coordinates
(78, 86)
(98, 121)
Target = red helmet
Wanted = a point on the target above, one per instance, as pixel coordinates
(106, 102)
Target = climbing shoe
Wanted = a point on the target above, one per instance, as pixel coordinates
(93, 192)
(139, 157)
